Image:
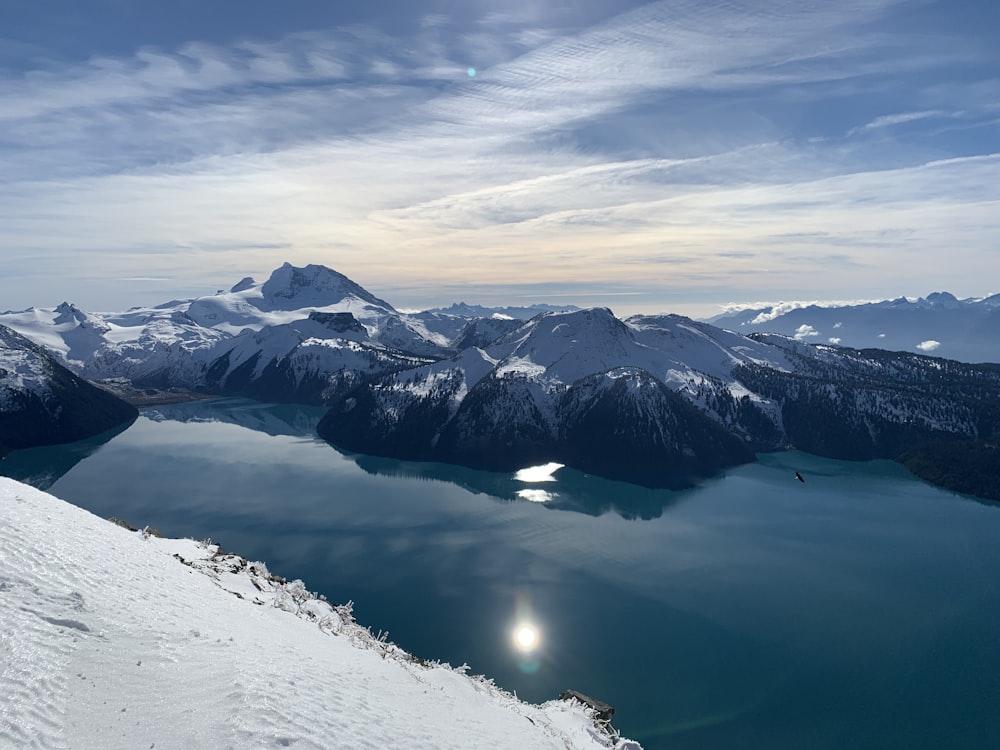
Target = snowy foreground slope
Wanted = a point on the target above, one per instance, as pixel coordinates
(111, 638)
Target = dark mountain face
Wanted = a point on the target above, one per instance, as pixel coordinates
(866, 404)
(623, 425)
(51, 405)
(628, 425)
(502, 424)
(373, 419)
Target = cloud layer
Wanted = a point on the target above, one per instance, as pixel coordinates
(676, 154)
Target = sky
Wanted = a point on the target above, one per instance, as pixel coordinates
(673, 156)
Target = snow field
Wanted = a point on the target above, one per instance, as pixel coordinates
(111, 638)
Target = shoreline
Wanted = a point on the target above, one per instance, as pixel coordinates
(140, 396)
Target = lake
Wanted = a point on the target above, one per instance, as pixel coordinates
(859, 609)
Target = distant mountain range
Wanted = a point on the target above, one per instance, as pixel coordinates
(662, 401)
(940, 324)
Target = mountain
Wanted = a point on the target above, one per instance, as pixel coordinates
(145, 345)
(967, 330)
(865, 404)
(581, 388)
(661, 400)
(464, 310)
(43, 403)
(304, 361)
(286, 339)
(291, 288)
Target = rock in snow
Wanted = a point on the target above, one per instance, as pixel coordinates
(111, 638)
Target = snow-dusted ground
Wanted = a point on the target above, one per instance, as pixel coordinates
(111, 638)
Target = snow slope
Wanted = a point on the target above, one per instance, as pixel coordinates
(111, 638)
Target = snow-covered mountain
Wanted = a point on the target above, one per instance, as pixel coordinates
(42, 402)
(581, 388)
(299, 322)
(115, 638)
(146, 345)
(661, 400)
(940, 324)
(304, 361)
(526, 312)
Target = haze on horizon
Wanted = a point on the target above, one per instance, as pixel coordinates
(646, 156)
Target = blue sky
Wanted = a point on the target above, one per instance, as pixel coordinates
(651, 157)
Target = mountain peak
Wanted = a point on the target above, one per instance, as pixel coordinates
(243, 284)
(67, 312)
(290, 287)
(943, 299)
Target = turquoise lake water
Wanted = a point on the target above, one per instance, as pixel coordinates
(860, 609)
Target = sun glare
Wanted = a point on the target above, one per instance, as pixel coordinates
(541, 473)
(526, 637)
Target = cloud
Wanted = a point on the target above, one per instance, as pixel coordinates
(805, 331)
(619, 153)
(772, 310)
(886, 121)
(929, 345)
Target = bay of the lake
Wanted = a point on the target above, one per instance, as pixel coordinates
(857, 609)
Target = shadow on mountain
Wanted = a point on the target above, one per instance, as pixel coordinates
(571, 490)
(43, 466)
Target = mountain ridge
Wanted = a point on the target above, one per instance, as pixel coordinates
(660, 400)
(967, 330)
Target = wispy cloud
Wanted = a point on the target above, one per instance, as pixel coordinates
(886, 121)
(634, 151)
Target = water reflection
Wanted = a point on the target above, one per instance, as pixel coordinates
(43, 466)
(569, 490)
(565, 488)
(537, 496)
(293, 420)
(526, 636)
(543, 473)
(760, 612)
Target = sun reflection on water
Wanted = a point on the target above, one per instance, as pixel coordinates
(536, 496)
(526, 637)
(542, 473)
